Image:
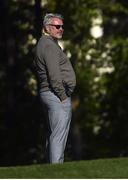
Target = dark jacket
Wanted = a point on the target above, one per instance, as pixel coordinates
(54, 69)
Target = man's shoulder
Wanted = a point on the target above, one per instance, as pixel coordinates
(46, 40)
(43, 43)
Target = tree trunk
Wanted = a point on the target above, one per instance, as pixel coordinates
(38, 18)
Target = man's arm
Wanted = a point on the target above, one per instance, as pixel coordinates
(52, 61)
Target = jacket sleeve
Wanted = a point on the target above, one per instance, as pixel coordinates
(51, 57)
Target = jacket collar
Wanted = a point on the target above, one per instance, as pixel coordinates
(50, 37)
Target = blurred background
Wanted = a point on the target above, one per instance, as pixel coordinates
(96, 41)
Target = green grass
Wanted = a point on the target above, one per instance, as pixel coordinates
(102, 168)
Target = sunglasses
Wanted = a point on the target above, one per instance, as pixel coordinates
(57, 26)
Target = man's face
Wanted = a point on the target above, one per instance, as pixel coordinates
(55, 28)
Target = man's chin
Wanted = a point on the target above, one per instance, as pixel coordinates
(59, 37)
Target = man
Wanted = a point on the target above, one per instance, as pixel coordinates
(57, 82)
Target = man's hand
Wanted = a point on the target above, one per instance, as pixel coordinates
(63, 100)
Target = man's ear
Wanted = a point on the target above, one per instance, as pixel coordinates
(46, 29)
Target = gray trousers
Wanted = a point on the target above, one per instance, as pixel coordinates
(59, 115)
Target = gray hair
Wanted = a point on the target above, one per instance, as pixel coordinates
(49, 16)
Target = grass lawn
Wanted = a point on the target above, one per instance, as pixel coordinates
(102, 168)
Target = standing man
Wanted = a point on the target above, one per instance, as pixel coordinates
(57, 82)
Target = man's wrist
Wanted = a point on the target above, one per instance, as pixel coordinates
(63, 98)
